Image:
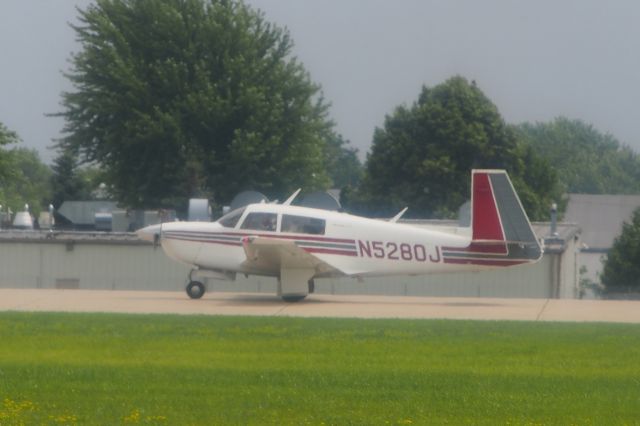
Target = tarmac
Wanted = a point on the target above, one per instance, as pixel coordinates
(317, 305)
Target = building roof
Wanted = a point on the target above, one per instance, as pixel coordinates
(600, 216)
(84, 212)
(69, 237)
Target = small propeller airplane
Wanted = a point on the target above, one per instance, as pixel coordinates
(298, 244)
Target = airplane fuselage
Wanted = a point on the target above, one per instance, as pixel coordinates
(298, 244)
(358, 246)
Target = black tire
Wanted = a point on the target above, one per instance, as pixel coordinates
(293, 299)
(312, 286)
(195, 289)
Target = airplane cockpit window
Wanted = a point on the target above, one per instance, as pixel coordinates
(302, 225)
(231, 219)
(260, 221)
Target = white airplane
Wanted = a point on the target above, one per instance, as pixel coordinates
(297, 244)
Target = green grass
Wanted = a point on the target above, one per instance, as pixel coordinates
(168, 369)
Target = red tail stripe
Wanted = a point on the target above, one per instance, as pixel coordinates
(486, 220)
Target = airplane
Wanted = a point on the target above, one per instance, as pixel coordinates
(299, 244)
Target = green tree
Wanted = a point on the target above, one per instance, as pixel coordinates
(343, 165)
(24, 178)
(93, 179)
(586, 160)
(175, 98)
(71, 182)
(423, 156)
(28, 183)
(7, 169)
(33, 179)
(621, 272)
(7, 136)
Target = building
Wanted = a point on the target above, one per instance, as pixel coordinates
(120, 261)
(600, 218)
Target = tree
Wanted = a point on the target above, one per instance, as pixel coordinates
(69, 181)
(32, 181)
(24, 178)
(176, 98)
(7, 169)
(28, 183)
(423, 156)
(586, 160)
(343, 165)
(621, 272)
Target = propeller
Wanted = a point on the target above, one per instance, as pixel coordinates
(157, 238)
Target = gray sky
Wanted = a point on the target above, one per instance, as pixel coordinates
(534, 59)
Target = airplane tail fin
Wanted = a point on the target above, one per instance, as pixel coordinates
(501, 232)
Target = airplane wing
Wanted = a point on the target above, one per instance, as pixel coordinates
(277, 254)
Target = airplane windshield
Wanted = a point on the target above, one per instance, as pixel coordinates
(231, 219)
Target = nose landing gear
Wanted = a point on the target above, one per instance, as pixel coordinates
(195, 289)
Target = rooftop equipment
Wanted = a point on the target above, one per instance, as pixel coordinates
(23, 219)
(199, 210)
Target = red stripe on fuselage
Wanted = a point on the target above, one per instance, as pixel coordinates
(290, 237)
(227, 243)
(330, 251)
(352, 253)
(485, 262)
(482, 248)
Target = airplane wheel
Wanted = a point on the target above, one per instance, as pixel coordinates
(195, 289)
(291, 299)
(312, 286)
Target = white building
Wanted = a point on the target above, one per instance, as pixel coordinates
(600, 218)
(120, 261)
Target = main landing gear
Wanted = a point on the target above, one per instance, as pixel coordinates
(292, 298)
(293, 285)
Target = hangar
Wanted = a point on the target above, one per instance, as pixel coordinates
(120, 261)
(601, 217)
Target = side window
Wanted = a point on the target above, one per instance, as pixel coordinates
(231, 219)
(302, 225)
(260, 222)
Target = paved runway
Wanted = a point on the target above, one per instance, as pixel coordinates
(321, 305)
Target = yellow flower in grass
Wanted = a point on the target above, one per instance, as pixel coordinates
(134, 417)
(65, 419)
(14, 410)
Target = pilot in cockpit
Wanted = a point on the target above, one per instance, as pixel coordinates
(269, 223)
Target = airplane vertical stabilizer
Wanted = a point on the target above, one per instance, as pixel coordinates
(501, 232)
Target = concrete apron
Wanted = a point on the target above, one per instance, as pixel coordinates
(339, 306)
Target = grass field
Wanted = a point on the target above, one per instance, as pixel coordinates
(168, 369)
